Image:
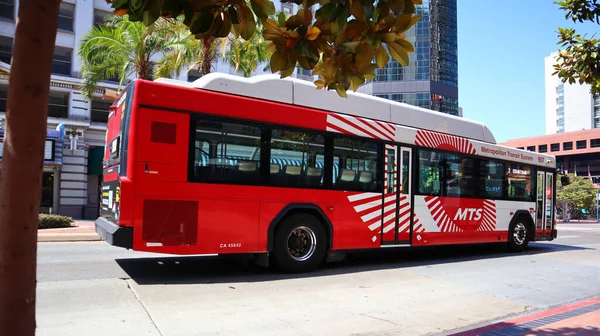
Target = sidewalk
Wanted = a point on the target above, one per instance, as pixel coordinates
(580, 318)
(82, 231)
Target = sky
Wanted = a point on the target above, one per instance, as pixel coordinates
(501, 50)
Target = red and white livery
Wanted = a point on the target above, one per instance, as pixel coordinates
(294, 175)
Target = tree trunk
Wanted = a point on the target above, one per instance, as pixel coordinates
(208, 54)
(20, 184)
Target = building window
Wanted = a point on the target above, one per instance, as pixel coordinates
(62, 61)
(58, 104)
(287, 8)
(594, 143)
(6, 44)
(65, 16)
(531, 148)
(192, 75)
(227, 153)
(581, 144)
(99, 16)
(297, 159)
(568, 145)
(100, 110)
(555, 147)
(7, 9)
(543, 148)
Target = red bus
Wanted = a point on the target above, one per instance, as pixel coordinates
(295, 176)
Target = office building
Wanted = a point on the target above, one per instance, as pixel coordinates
(72, 171)
(431, 78)
(576, 152)
(569, 107)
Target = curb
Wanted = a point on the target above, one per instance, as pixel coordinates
(68, 237)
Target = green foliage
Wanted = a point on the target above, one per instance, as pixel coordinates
(122, 48)
(339, 44)
(579, 60)
(54, 221)
(246, 55)
(579, 194)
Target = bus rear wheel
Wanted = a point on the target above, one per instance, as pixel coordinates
(299, 244)
(518, 234)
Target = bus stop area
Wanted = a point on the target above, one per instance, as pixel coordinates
(580, 318)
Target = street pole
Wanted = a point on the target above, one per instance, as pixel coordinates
(597, 206)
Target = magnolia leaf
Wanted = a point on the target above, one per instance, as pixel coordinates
(398, 53)
(406, 45)
(351, 46)
(262, 8)
(341, 91)
(281, 18)
(388, 37)
(278, 61)
(287, 72)
(202, 23)
(382, 57)
(225, 26)
(233, 15)
(364, 55)
(312, 33)
(247, 26)
(356, 82)
(271, 47)
(153, 12)
(121, 11)
(320, 84)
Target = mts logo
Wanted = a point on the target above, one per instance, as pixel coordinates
(468, 214)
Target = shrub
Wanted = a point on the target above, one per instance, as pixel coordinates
(54, 221)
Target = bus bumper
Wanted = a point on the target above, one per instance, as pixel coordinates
(114, 234)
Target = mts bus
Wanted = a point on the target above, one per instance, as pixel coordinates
(276, 169)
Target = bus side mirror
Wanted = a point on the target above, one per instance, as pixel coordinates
(565, 180)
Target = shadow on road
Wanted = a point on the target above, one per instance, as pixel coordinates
(220, 269)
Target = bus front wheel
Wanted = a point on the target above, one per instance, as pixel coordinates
(518, 234)
(299, 244)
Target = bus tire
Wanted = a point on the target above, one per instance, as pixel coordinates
(518, 234)
(299, 244)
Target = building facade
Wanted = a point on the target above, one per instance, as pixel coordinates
(431, 78)
(576, 152)
(72, 171)
(569, 107)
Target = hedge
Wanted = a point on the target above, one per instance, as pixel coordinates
(54, 221)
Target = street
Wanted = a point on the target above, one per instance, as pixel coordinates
(92, 288)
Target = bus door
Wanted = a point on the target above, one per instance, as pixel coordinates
(545, 201)
(396, 210)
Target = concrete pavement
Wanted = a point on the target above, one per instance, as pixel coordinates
(580, 318)
(82, 231)
(92, 288)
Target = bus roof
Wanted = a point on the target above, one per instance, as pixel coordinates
(300, 92)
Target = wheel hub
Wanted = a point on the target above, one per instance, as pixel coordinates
(302, 242)
(520, 233)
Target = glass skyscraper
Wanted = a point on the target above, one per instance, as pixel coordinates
(431, 78)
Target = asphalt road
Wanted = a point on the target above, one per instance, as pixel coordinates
(92, 288)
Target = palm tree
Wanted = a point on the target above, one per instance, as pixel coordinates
(245, 56)
(121, 48)
(199, 54)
